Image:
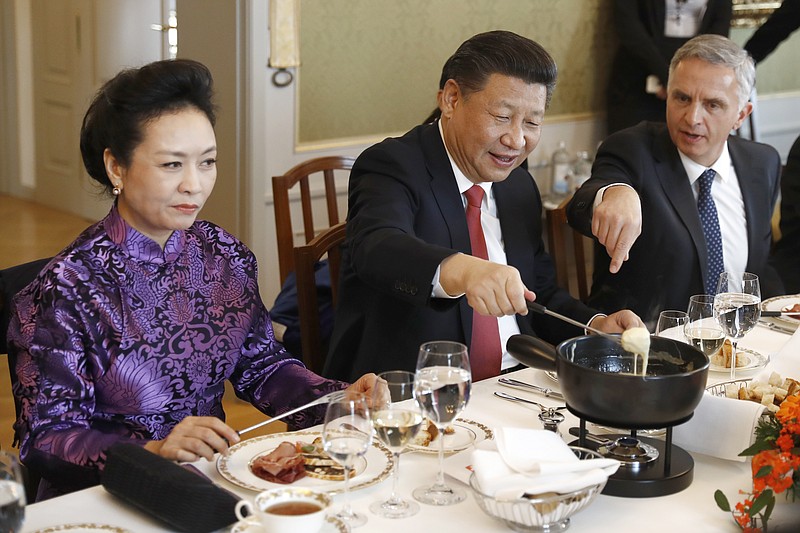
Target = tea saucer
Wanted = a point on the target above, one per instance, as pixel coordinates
(332, 525)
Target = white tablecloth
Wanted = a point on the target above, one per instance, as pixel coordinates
(692, 509)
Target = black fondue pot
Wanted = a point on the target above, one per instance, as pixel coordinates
(598, 381)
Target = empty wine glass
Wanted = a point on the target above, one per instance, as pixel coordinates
(671, 324)
(347, 435)
(442, 386)
(12, 494)
(737, 307)
(397, 418)
(702, 330)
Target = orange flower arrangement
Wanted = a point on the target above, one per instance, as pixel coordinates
(775, 467)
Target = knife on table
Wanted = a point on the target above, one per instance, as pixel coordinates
(773, 314)
(550, 393)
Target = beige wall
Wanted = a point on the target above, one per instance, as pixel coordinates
(371, 67)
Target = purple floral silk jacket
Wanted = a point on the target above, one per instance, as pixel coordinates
(119, 340)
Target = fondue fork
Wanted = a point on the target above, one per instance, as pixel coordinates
(538, 308)
(318, 401)
(550, 393)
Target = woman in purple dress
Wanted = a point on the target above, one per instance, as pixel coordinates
(130, 333)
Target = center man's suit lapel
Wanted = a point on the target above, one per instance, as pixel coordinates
(445, 192)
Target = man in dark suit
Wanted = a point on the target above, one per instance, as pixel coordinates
(408, 270)
(641, 201)
(787, 250)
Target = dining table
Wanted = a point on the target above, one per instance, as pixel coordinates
(691, 509)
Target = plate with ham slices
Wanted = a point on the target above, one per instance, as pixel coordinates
(787, 304)
(297, 458)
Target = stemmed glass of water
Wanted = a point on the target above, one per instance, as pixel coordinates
(737, 307)
(671, 324)
(346, 436)
(12, 494)
(397, 418)
(702, 330)
(442, 386)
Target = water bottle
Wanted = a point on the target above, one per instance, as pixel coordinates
(582, 170)
(561, 169)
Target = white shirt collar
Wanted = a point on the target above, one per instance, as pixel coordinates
(722, 166)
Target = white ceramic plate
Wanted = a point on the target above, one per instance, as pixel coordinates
(83, 528)
(467, 432)
(778, 303)
(375, 466)
(755, 361)
(331, 525)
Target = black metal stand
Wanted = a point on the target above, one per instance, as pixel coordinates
(671, 472)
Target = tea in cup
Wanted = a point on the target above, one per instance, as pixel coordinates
(286, 510)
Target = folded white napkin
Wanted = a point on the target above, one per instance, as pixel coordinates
(534, 461)
(721, 427)
(787, 361)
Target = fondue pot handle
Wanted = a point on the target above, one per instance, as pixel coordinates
(532, 351)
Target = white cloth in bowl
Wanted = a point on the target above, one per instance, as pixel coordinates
(721, 427)
(534, 461)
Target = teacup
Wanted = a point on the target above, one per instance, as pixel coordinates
(286, 510)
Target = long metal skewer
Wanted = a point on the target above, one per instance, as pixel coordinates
(318, 401)
(538, 308)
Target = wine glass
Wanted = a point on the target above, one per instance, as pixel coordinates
(702, 330)
(671, 324)
(12, 494)
(737, 307)
(347, 435)
(397, 418)
(442, 385)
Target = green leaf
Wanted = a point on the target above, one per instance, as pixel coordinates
(763, 471)
(722, 501)
(764, 499)
(768, 510)
(758, 446)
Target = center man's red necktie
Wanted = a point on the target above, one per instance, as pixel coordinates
(485, 351)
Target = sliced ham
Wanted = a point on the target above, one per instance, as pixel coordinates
(284, 464)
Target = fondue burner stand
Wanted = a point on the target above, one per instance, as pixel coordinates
(648, 467)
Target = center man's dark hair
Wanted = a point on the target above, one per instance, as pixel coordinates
(499, 52)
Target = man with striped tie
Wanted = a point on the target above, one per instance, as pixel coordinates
(675, 204)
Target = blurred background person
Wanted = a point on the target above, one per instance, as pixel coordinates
(649, 32)
(774, 31)
(786, 256)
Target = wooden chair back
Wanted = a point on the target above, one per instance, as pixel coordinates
(305, 256)
(568, 249)
(303, 174)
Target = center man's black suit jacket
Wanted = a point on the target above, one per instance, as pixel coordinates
(405, 216)
(666, 264)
